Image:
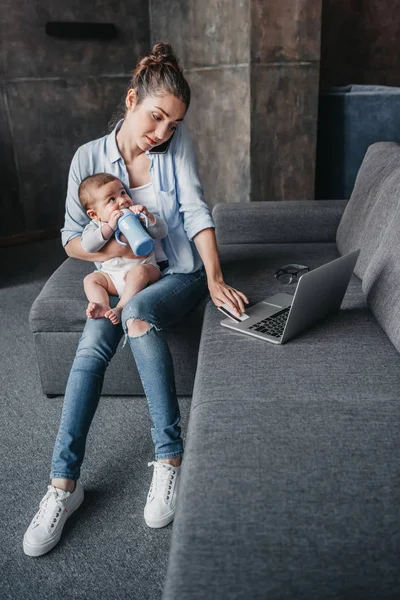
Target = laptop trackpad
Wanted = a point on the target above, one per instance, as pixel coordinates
(279, 300)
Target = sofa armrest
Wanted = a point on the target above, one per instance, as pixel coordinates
(292, 221)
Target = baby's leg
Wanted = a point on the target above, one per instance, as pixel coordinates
(97, 287)
(136, 280)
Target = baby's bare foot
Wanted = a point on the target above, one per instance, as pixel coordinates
(96, 311)
(114, 314)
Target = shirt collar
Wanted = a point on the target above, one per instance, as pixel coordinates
(111, 143)
(112, 147)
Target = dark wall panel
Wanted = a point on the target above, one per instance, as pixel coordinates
(283, 132)
(67, 114)
(28, 52)
(288, 30)
(212, 41)
(360, 42)
(219, 122)
(284, 88)
(60, 93)
(258, 130)
(12, 216)
(206, 33)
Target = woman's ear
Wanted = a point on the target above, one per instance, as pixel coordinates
(131, 99)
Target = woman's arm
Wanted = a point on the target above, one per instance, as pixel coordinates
(220, 292)
(199, 224)
(196, 214)
(111, 250)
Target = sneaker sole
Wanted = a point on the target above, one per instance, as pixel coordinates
(39, 550)
(159, 523)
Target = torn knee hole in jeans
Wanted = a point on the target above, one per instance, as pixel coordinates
(151, 326)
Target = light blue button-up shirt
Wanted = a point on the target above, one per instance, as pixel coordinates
(177, 188)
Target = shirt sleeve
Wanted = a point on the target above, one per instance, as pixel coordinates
(159, 229)
(76, 218)
(92, 239)
(195, 212)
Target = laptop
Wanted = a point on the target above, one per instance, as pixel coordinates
(281, 317)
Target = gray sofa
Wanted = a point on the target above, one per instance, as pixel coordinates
(291, 477)
(290, 482)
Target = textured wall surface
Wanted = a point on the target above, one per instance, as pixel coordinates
(12, 216)
(55, 95)
(71, 112)
(285, 50)
(360, 42)
(204, 34)
(219, 122)
(288, 30)
(283, 131)
(211, 40)
(253, 67)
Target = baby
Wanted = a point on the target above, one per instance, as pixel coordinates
(103, 197)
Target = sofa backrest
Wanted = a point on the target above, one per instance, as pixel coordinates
(381, 281)
(286, 222)
(372, 204)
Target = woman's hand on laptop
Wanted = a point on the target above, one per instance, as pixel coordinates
(221, 293)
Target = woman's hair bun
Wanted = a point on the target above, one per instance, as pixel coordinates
(159, 71)
(155, 74)
(163, 49)
(162, 52)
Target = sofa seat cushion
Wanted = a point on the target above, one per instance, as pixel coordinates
(372, 205)
(290, 478)
(57, 319)
(61, 304)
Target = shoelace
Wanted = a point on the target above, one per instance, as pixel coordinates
(162, 479)
(51, 506)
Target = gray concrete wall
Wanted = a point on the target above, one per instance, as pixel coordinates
(253, 66)
(285, 55)
(211, 39)
(55, 95)
(360, 43)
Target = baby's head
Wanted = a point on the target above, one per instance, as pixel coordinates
(101, 194)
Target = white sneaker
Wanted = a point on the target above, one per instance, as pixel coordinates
(161, 499)
(46, 527)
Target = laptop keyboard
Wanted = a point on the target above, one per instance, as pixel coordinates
(274, 325)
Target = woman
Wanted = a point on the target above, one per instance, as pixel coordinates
(151, 152)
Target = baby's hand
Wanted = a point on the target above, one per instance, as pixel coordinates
(113, 220)
(140, 208)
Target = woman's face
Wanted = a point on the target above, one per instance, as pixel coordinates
(153, 122)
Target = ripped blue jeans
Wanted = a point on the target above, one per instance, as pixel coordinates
(162, 303)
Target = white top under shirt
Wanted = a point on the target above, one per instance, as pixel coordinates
(145, 195)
